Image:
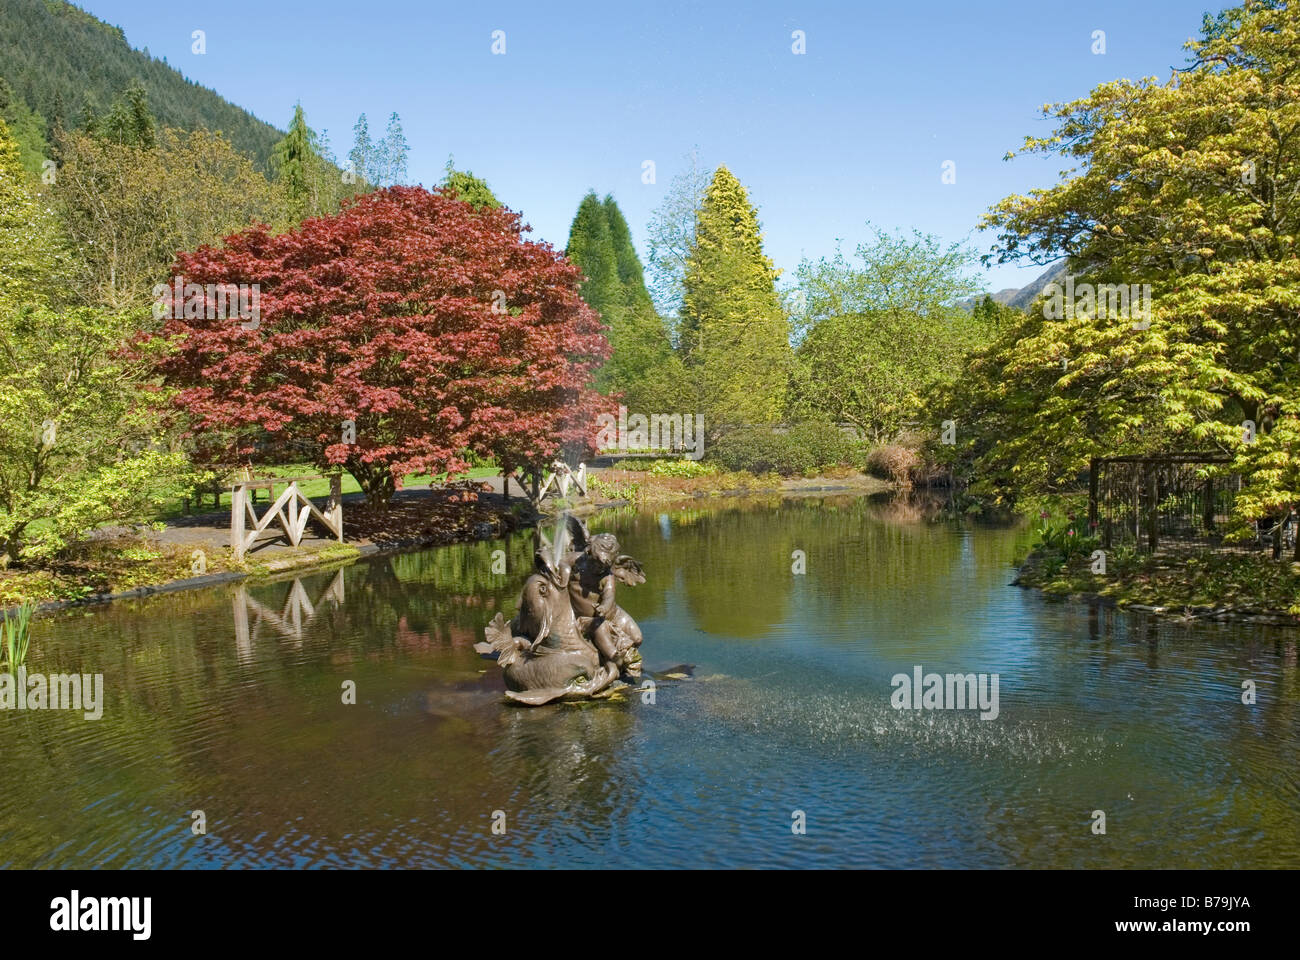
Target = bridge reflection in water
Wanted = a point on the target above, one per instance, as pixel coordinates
(298, 612)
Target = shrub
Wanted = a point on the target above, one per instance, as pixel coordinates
(759, 450)
(688, 469)
(685, 469)
(798, 450)
(895, 462)
(826, 443)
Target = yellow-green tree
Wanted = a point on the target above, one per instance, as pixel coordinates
(128, 209)
(35, 262)
(882, 333)
(734, 335)
(71, 403)
(1187, 185)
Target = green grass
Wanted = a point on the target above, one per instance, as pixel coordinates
(312, 489)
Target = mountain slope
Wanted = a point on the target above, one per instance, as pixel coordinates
(58, 58)
(1022, 298)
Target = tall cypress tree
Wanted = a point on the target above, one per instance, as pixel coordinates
(733, 330)
(630, 273)
(592, 248)
(643, 367)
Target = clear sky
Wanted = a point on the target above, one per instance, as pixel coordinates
(855, 130)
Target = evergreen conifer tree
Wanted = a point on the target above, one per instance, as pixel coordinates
(734, 331)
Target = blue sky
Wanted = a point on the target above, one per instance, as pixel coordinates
(855, 130)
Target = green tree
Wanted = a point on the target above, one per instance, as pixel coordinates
(302, 167)
(993, 316)
(734, 334)
(473, 190)
(129, 120)
(35, 260)
(592, 248)
(70, 397)
(880, 335)
(70, 405)
(88, 115)
(643, 367)
(27, 129)
(1186, 185)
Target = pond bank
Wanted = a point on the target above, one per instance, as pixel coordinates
(1179, 584)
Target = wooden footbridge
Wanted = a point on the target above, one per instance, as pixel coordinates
(292, 509)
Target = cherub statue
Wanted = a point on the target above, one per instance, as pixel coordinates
(569, 639)
(595, 568)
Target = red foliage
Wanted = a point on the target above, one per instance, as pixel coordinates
(383, 315)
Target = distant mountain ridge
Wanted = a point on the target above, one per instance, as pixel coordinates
(1021, 298)
(58, 58)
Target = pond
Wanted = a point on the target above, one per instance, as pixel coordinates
(229, 701)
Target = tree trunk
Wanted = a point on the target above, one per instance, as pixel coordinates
(1153, 504)
(376, 483)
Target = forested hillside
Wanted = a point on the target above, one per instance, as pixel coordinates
(61, 62)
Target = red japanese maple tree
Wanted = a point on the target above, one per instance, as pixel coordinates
(432, 327)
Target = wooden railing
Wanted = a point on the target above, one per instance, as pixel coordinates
(292, 508)
(562, 476)
(558, 479)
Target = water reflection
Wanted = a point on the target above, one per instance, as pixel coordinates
(298, 610)
(230, 701)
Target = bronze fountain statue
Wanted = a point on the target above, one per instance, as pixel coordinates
(569, 640)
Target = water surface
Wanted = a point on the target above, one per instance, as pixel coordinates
(229, 701)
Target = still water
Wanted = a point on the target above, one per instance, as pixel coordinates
(229, 701)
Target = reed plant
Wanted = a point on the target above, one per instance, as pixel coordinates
(15, 634)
